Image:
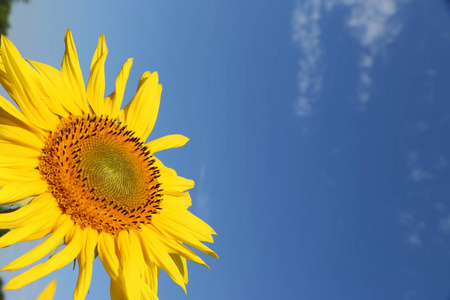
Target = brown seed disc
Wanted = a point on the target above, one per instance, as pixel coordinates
(100, 174)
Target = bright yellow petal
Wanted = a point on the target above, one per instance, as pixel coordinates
(48, 292)
(12, 149)
(182, 201)
(161, 258)
(176, 183)
(8, 175)
(140, 114)
(185, 218)
(19, 163)
(21, 136)
(34, 229)
(172, 229)
(56, 90)
(182, 266)
(71, 73)
(114, 101)
(85, 261)
(26, 88)
(167, 142)
(96, 84)
(100, 50)
(129, 265)
(147, 292)
(9, 111)
(107, 253)
(60, 230)
(163, 168)
(19, 217)
(117, 290)
(22, 189)
(4, 78)
(56, 262)
(171, 245)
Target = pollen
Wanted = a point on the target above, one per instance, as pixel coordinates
(101, 174)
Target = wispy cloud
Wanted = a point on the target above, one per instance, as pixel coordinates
(373, 23)
(307, 34)
(414, 239)
(415, 227)
(416, 170)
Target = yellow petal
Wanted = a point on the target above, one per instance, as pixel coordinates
(162, 259)
(9, 111)
(117, 290)
(71, 73)
(172, 246)
(183, 201)
(26, 89)
(21, 136)
(22, 189)
(99, 50)
(176, 183)
(163, 168)
(60, 229)
(185, 218)
(11, 149)
(19, 163)
(4, 79)
(53, 83)
(48, 292)
(19, 217)
(114, 101)
(96, 83)
(56, 262)
(85, 261)
(182, 266)
(147, 292)
(181, 234)
(107, 253)
(129, 266)
(8, 175)
(167, 142)
(140, 114)
(32, 230)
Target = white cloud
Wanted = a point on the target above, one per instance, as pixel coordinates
(306, 34)
(416, 171)
(373, 23)
(303, 107)
(414, 239)
(367, 61)
(414, 227)
(418, 174)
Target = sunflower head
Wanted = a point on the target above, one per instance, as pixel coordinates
(90, 177)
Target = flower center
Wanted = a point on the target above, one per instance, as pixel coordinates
(100, 174)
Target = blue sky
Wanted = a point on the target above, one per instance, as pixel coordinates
(319, 137)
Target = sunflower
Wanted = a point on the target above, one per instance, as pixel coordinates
(86, 179)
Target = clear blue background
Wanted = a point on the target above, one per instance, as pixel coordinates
(319, 137)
